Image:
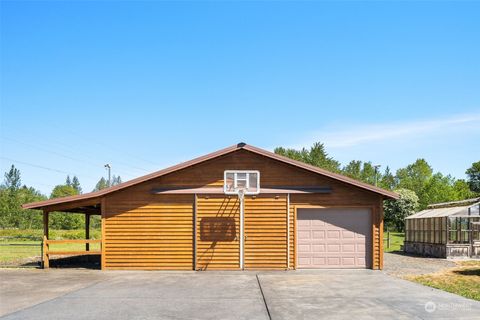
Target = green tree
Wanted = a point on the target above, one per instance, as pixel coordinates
(63, 190)
(387, 180)
(397, 210)
(462, 190)
(353, 169)
(438, 188)
(362, 171)
(316, 156)
(415, 177)
(12, 179)
(68, 182)
(116, 180)
(65, 220)
(473, 174)
(12, 196)
(76, 184)
(101, 184)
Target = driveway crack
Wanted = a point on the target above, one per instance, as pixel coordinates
(263, 296)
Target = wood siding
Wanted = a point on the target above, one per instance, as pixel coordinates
(153, 235)
(266, 232)
(147, 231)
(218, 249)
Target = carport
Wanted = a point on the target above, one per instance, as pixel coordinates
(88, 207)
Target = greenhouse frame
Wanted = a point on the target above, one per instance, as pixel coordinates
(445, 230)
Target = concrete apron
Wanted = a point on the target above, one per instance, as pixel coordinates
(337, 294)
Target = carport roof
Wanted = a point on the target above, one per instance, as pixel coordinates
(240, 146)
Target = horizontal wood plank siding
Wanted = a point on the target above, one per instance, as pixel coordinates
(152, 235)
(266, 232)
(137, 220)
(221, 254)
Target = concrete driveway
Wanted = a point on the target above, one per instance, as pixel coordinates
(333, 294)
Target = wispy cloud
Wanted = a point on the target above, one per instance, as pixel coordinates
(341, 137)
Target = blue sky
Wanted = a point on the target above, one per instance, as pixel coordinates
(144, 85)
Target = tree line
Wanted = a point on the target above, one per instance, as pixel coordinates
(417, 184)
(13, 194)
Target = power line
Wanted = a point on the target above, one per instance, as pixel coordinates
(73, 133)
(64, 156)
(42, 167)
(57, 142)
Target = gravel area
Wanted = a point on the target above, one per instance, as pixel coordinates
(399, 264)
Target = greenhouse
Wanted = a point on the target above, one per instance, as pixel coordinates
(445, 230)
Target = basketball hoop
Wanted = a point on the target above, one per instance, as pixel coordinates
(241, 194)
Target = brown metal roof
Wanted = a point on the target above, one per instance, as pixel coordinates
(210, 156)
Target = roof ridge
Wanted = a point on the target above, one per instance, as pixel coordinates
(210, 156)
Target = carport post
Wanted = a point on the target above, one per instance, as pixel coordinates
(45, 262)
(87, 231)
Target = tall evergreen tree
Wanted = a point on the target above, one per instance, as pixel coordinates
(68, 182)
(387, 181)
(12, 196)
(116, 180)
(101, 184)
(12, 179)
(76, 184)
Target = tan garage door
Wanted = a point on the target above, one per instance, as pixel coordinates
(334, 238)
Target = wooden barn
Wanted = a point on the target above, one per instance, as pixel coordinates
(238, 208)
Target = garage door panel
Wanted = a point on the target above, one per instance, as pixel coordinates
(333, 248)
(346, 234)
(333, 234)
(346, 248)
(318, 234)
(333, 238)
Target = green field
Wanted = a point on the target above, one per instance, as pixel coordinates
(23, 247)
(396, 240)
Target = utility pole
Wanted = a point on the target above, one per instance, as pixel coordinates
(376, 173)
(108, 167)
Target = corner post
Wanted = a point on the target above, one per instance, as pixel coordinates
(45, 262)
(102, 244)
(380, 226)
(87, 231)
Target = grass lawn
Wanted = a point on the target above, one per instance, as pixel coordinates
(396, 240)
(463, 280)
(18, 247)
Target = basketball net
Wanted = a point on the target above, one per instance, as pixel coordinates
(241, 194)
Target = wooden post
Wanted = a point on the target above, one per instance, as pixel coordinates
(45, 223)
(45, 262)
(87, 231)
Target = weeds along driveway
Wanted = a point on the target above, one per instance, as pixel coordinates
(332, 294)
